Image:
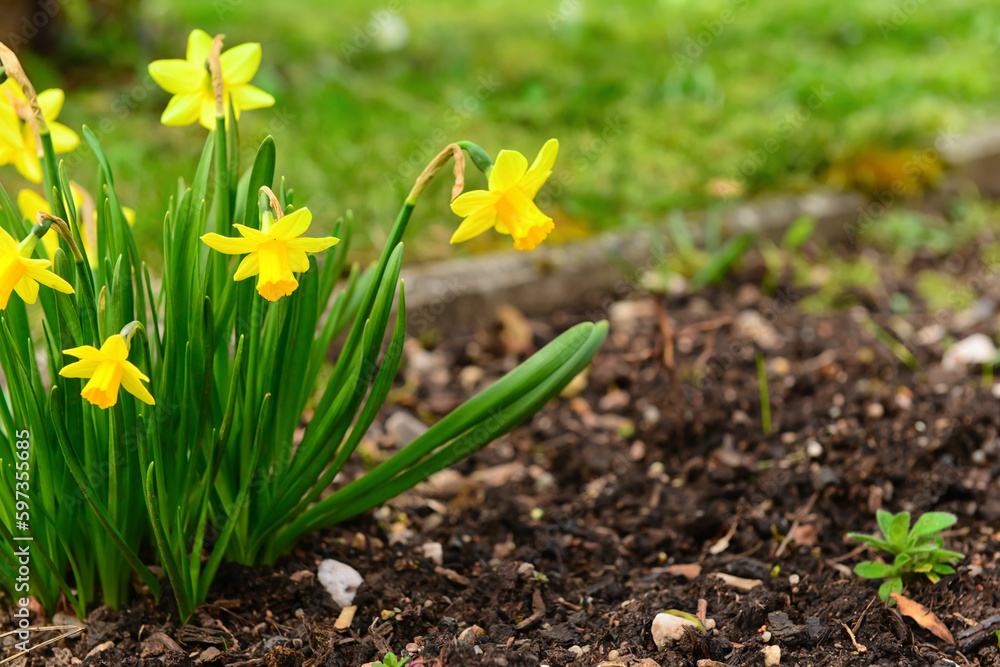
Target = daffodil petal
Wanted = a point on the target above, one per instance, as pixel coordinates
(207, 114)
(27, 164)
(254, 235)
(7, 243)
(247, 268)
(468, 203)
(63, 139)
(228, 244)
(27, 289)
(298, 260)
(292, 225)
(134, 386)
(240, 63)
(50, 102)
(540, 169)
(87, 352)
(30, 203)
(133, 370)
(312, 245)
(178, 76)
(10, 132)
(47, 278)
(508, 170)
(250, 97)
(182, 109)
(115, 348)
(474, 225)
(51, 242)
(80, 369)
(199, 44)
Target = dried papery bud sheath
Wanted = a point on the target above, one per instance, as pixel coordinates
(436, 165)
(269, 204)
(215, 67)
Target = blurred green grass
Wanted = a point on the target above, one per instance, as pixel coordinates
(652, 102)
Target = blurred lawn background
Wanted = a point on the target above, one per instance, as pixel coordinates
(657, 105)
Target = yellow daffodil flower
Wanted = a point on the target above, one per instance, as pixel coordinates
(19, 273)
(190, 82)
(275, 252)
(108, 369)
(508, 205)
(30, 203)
(17, 140)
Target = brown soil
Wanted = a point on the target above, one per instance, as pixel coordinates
(561, 539)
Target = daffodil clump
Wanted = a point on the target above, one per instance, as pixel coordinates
(188, 387)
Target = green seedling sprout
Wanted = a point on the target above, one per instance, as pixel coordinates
(390, 660)
(916, 550)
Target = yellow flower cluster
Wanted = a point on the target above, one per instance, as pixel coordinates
(274, 253)
(18, 144)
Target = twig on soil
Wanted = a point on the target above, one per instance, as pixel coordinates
(667, 330)
(857, 623)
(44, 643)
(849, 555)
(703, 612)
(860, 648)
(801, 514)
(707, 325)
(709, 350)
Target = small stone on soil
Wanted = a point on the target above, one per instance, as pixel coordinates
(340, 580)
(667, 629)
(772, 656)
(434, 552)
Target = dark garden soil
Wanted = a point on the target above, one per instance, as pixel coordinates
(633, 494)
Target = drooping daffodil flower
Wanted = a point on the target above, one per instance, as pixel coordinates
(508, 205)
(108, 369)
(31, 203)
(22, 274)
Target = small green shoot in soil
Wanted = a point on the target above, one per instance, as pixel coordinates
(390, 660)
(689, 617)
(765, 397)
(916, 551)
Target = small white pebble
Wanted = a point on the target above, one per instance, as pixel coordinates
(793, 579)
(765, 636)
(668, 628)
(814, 449)
(920, 426)
(340, 580)
(979, 457)
(772, 655)
(875, 410)
(434, 552)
